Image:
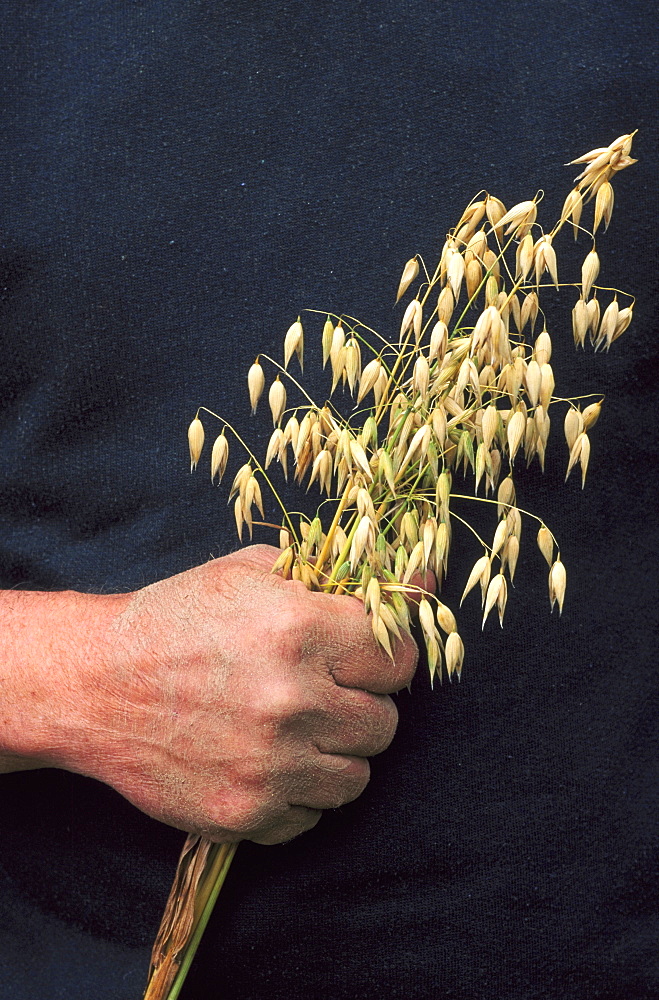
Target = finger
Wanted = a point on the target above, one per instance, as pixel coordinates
(325, 781)
(257, 557)
(343, 639)
(331, 781)
(294, 821)
(424, 583)
(356, 723)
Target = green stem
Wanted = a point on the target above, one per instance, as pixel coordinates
(217, 875)
(344, 554)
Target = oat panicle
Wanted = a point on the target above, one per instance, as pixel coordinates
(463, 389)
(443, 412)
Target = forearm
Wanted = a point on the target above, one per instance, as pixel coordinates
(50, 648)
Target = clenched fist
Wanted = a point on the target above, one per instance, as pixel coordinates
(224, 701)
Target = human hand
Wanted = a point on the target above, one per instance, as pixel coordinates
(239, 705)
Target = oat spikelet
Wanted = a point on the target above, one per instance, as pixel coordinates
(544, 257)
(445, 305)
(410, 272)
(495, 211)
(409, 529)
(603, 162)
(529, 311)
(624, 319)
(557, 584)
(255, 384)
(479, 572)
(542, 348)
(360, 460)
(195, 442)
(412, 318)
(593, 310)
(454, 654)
(497, 593)
(547, 384)
(421, 376)
(524, 257)
(473, 277)
(276, 445)
(427, 618)
(603, 206)
(580, 322)
(580, 453)
(519, 219)
(369, 377)
(469, 220)
(533, 381)
(491, 264)
(446, 618)
(608, 324)
(363, 540)
(291, 431)
(433, 655)
(322, 471)
(546, 543)
(277, 400)
(240, 481)
(510, 556)
(328, 335)
(490, 424)
(336, 351)
(589, 271)
(353, 362)
(455, 273)
(294, 343)
(505, 496)
(572, 210)
(476, 247)
(438, 342)
(591, 415)
(372, 598)
(515, 433)
(238, 515)
(253, 495)
(219, 456)
(572, 426)
(500, 536)
(415, 562)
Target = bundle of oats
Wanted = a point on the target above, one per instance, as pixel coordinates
(464, 394)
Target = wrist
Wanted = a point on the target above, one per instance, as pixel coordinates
(53, 649)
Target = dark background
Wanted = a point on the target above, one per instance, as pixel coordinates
(179, 179)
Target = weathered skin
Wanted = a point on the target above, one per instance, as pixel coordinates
(223, 700)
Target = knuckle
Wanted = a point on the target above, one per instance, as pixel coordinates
(286, 633)
(407, 657)
(344, 788)
(345, 617)
(279, 701)
(356, 780)
(383, 725)
(260, 551)
(296, 624)
(367, 726)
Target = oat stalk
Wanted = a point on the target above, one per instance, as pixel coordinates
(442, 400)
